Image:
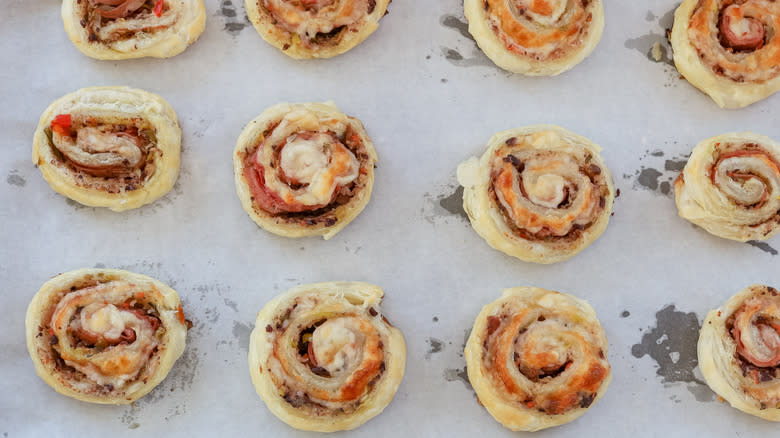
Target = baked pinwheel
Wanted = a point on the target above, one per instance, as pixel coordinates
(324, 358)
(739, 351)
(536, 37)
(123, 29)
(540, 193)
(729, 49)
(104, 335)
(114, 147)
(731, 187)
(304, 169)
(306, 29)
(537, 358)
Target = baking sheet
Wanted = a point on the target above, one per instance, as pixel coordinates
(429, 99)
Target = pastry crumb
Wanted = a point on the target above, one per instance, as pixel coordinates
(655, 52)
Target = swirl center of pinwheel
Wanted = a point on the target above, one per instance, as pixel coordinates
(303, 157)
(739, 31)
(747, 177)
(98, 151)
(547, 190)
(108, 343)
(107, 324)
(336, 345)
(538, 353)
(318, 161)
(757, 332)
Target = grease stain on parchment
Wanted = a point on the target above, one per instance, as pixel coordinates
(763, 246)
(232, 304)
(658, 175)
(448, 203)
(458, 24)
(234, 23)
(672, 345)
(655, 45)
(455, 55)
(460, 374)
(434, 346)
(77, 206)
(659, 172)
(241, 333)
(15, 179)
(352, 249)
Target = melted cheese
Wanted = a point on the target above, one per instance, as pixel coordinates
(335, 345)
(105, 320)
(302, 159)
(548, 190)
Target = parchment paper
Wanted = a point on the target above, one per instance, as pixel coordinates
(429, 99)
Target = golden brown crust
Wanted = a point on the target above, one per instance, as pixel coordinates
(304, 169)
(104, 335)
(729, 50)
(324, 358)
(739, 351)
(731, 187)
(536, 37)
(117, 147)
(540, 193)
(315, 28)
(140, 34)
(537, 358)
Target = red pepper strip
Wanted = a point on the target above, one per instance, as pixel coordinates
(158, 8)
(61, 124)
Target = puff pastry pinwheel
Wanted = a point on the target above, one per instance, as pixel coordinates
(537, 358)
(729, 49)
(304, 169)
(104, 335)
(731, 187)
(123, 29)
(324, 358)
(739, 351)
(114, 147)
(306, 29)
(536, 37)
(540, 193)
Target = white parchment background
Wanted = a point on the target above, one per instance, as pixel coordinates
(429, 99)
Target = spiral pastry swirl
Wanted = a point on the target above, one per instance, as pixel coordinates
(104, 335)
(731, 187)
(324, 358)
(739, 351)
(123, 29)
(540, 193)
(729, 49)
(305, 29)
(537, 358)
(304, 169)
(114, 147)
(536, 37)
